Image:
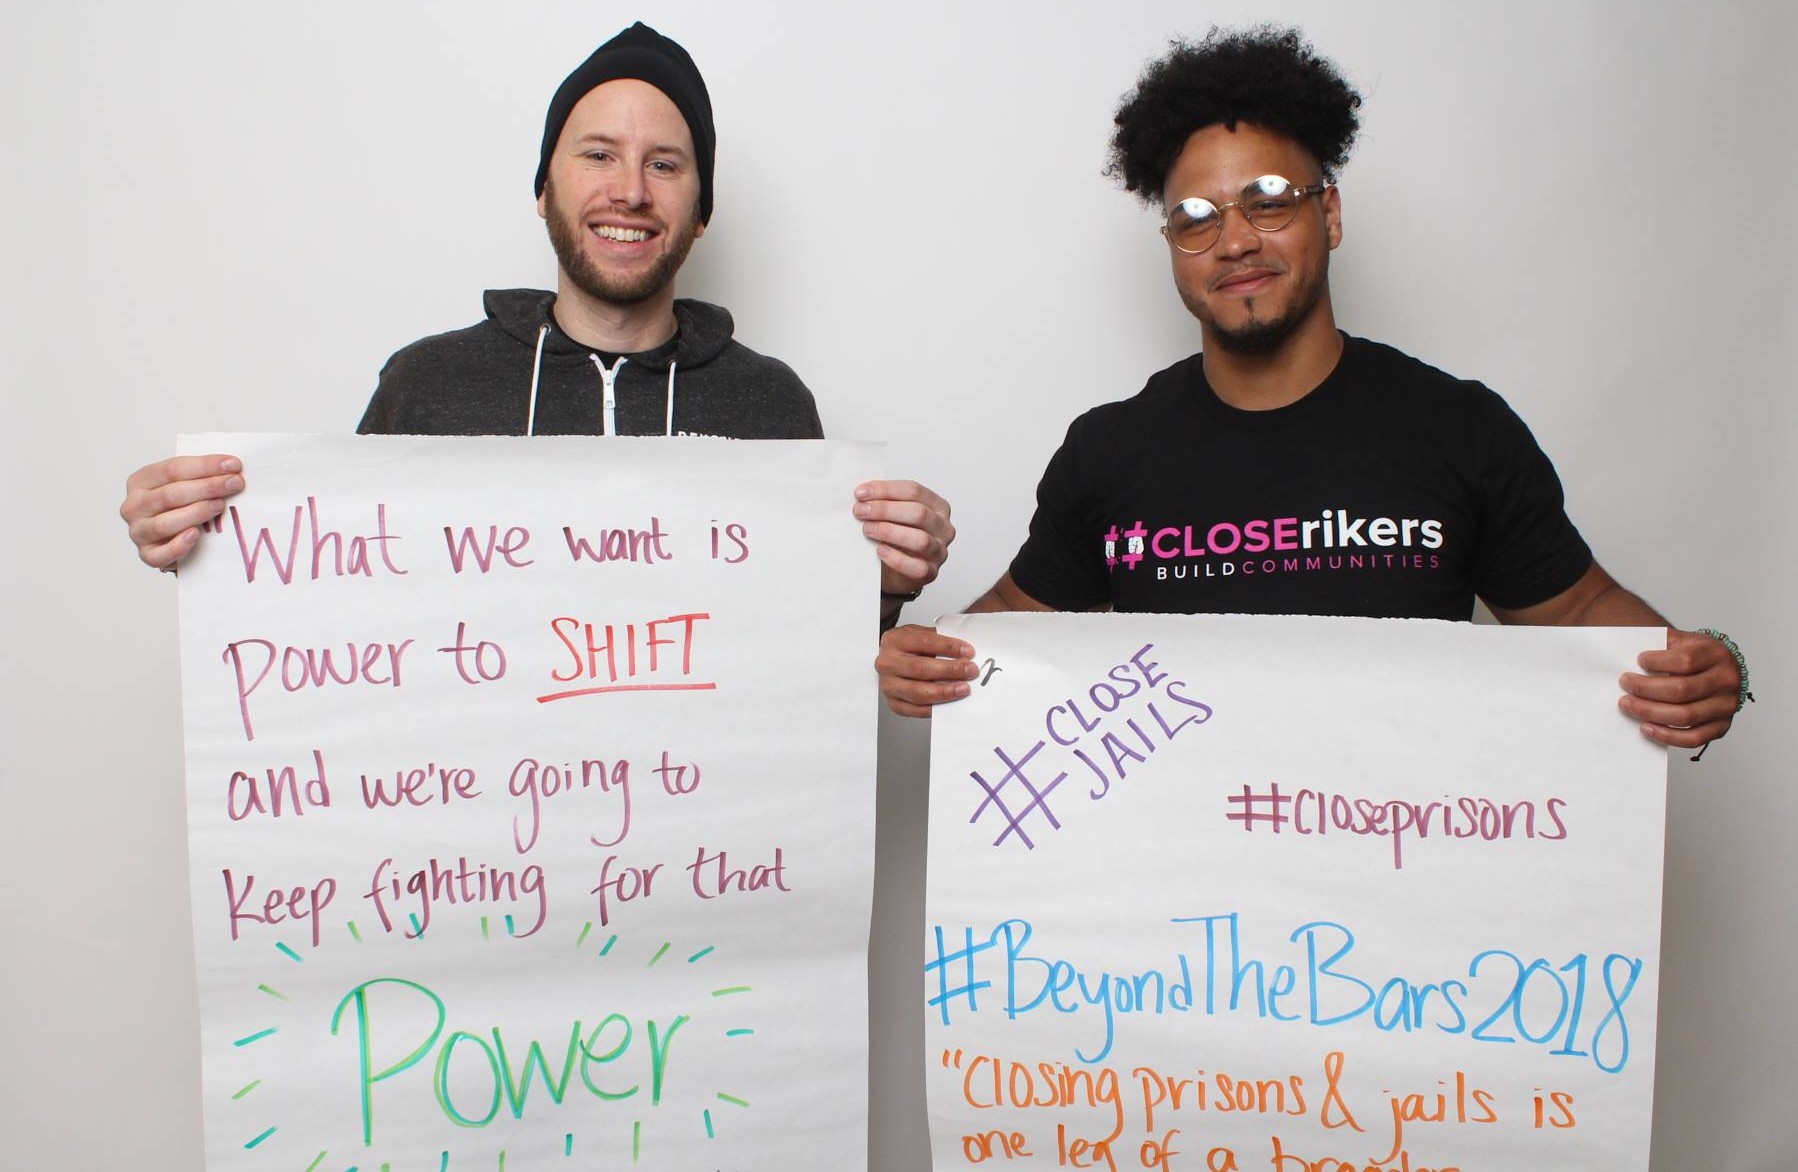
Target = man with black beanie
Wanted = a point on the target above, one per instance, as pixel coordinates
(624, 186)
(642, 53)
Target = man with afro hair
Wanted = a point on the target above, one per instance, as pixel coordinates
(1289, 468)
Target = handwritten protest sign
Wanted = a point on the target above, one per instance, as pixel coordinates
(530, 797)
(1305, 895)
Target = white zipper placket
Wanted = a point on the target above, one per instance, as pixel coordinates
(608, 381)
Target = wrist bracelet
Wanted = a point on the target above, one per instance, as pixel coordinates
(901, 595)
(1743, 695)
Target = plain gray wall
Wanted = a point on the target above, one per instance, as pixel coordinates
(223, 216)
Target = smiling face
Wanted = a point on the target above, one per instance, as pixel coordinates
(1253, 291)
(621, 198)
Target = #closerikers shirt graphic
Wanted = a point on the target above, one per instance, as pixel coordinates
(1393, 490)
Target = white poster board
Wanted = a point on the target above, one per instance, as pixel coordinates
(1309, 895)
(530, 804)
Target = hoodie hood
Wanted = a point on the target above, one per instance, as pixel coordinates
(702, 330)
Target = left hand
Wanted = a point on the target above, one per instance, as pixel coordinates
(1687, 698)
(910, 527)
(920, 669)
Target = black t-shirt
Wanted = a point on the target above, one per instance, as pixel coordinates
(1392, 490)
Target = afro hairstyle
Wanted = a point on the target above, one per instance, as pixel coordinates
(1267, 76)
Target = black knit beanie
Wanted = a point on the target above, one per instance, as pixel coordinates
(642, 53)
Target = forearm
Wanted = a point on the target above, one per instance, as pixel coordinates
(1005, 595)
(1616, 607)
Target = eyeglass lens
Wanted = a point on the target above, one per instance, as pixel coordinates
(1269, 203)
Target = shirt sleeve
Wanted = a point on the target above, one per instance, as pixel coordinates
(1062, 562)
(378, 418)
(1529, 550)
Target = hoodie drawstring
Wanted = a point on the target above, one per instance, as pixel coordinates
(530, 419)
(668, 419)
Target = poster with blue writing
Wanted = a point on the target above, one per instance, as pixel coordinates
(512, 844)
(1292, 894)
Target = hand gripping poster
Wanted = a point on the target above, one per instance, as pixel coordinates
(1292, 894)
(530, 796)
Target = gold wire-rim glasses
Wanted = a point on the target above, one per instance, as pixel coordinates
(1260, 214)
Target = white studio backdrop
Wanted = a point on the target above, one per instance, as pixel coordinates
(223, 216)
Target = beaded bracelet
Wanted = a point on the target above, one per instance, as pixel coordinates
(1743, 695)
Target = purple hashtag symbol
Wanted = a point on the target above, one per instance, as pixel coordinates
(1036, 804)
(942, 966)
(1250, 812)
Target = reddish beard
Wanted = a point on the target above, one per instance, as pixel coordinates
(567, 235)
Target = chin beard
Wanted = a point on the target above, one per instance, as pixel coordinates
(567, 236)
(1258, 338)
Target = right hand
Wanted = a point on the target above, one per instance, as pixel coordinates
(920, 668)
(167, 502)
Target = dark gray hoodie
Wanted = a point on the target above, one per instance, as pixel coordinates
(517, 373)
